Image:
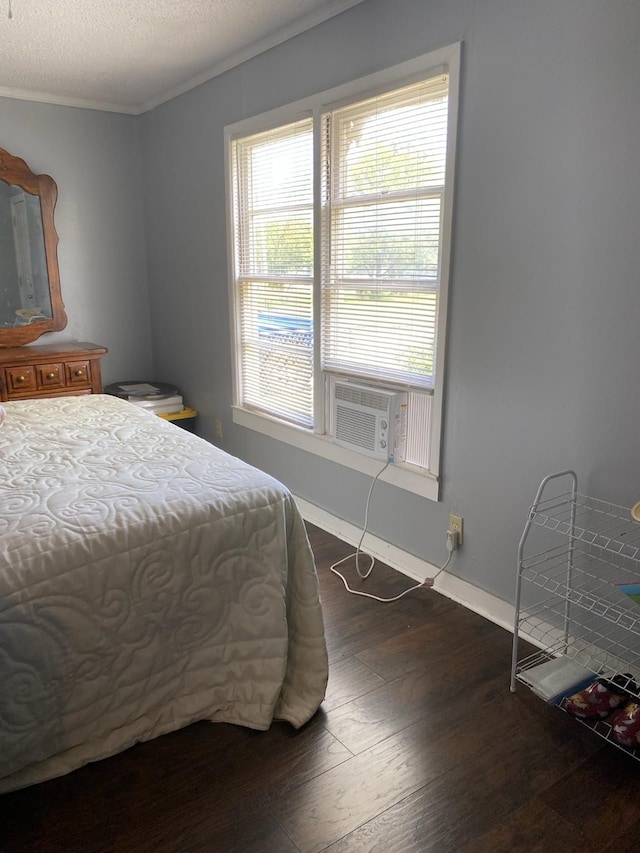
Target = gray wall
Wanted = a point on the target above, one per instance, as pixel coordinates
(543, 355)
(94, 158)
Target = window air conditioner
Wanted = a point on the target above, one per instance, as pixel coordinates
(370, 420)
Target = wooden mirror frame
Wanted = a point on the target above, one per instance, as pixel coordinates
(15, 171)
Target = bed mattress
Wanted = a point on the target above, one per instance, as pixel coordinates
(147, 580)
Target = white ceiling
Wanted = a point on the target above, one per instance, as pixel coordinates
(131, 55)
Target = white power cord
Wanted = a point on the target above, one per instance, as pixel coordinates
(427, 583)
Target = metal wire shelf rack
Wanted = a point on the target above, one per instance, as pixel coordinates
(574, 595)
(594, 523)
(586, 581)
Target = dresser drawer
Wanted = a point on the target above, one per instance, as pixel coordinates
(78, 374)
(21, 380)
(50, 376)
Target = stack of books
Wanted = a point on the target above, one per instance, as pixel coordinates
(159, 399)
(159, 405)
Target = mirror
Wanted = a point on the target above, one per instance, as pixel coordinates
(30, 298)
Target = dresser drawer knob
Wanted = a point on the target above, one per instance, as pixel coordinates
(20, 380)
(79, 373)
(51, 375)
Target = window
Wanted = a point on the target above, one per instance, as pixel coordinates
(340, 232)
(273, 203)
(385, 164)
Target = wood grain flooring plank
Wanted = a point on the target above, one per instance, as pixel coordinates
(254, 832)
(534, 828)
(604, 799)
(349, 679)
(506, 757)
(433, 693)
(340, 800)
(211, 781)
(440, 633)
(371, 623)
(624, 840)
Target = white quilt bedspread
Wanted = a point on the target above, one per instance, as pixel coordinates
(147, 580)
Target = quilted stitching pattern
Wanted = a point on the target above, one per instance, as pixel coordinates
(147, 580)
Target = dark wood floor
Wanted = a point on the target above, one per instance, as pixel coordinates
(419, 746)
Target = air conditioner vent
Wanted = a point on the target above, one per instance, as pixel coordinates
(356, 428)
(360, 396)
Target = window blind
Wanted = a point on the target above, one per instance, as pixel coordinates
(384, 161)
(273, 213)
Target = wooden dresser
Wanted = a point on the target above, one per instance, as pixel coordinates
(54, 370)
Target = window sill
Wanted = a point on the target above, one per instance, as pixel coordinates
(402, 475)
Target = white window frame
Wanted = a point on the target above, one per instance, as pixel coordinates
(402, 475)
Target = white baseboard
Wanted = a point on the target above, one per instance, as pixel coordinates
(458, 590)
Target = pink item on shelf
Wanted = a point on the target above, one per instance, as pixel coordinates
(597, 701)
(625, 725)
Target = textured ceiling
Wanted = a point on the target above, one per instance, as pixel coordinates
(130, 55)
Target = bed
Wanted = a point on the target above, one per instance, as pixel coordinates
(147, 580)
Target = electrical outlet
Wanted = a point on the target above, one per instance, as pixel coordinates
(218, 429)
(455, 524)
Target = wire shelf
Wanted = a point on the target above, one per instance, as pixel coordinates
(597, 523)
(586, 581)
(603, 729)
(587, 643)
(574, 599)
(600, 727)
